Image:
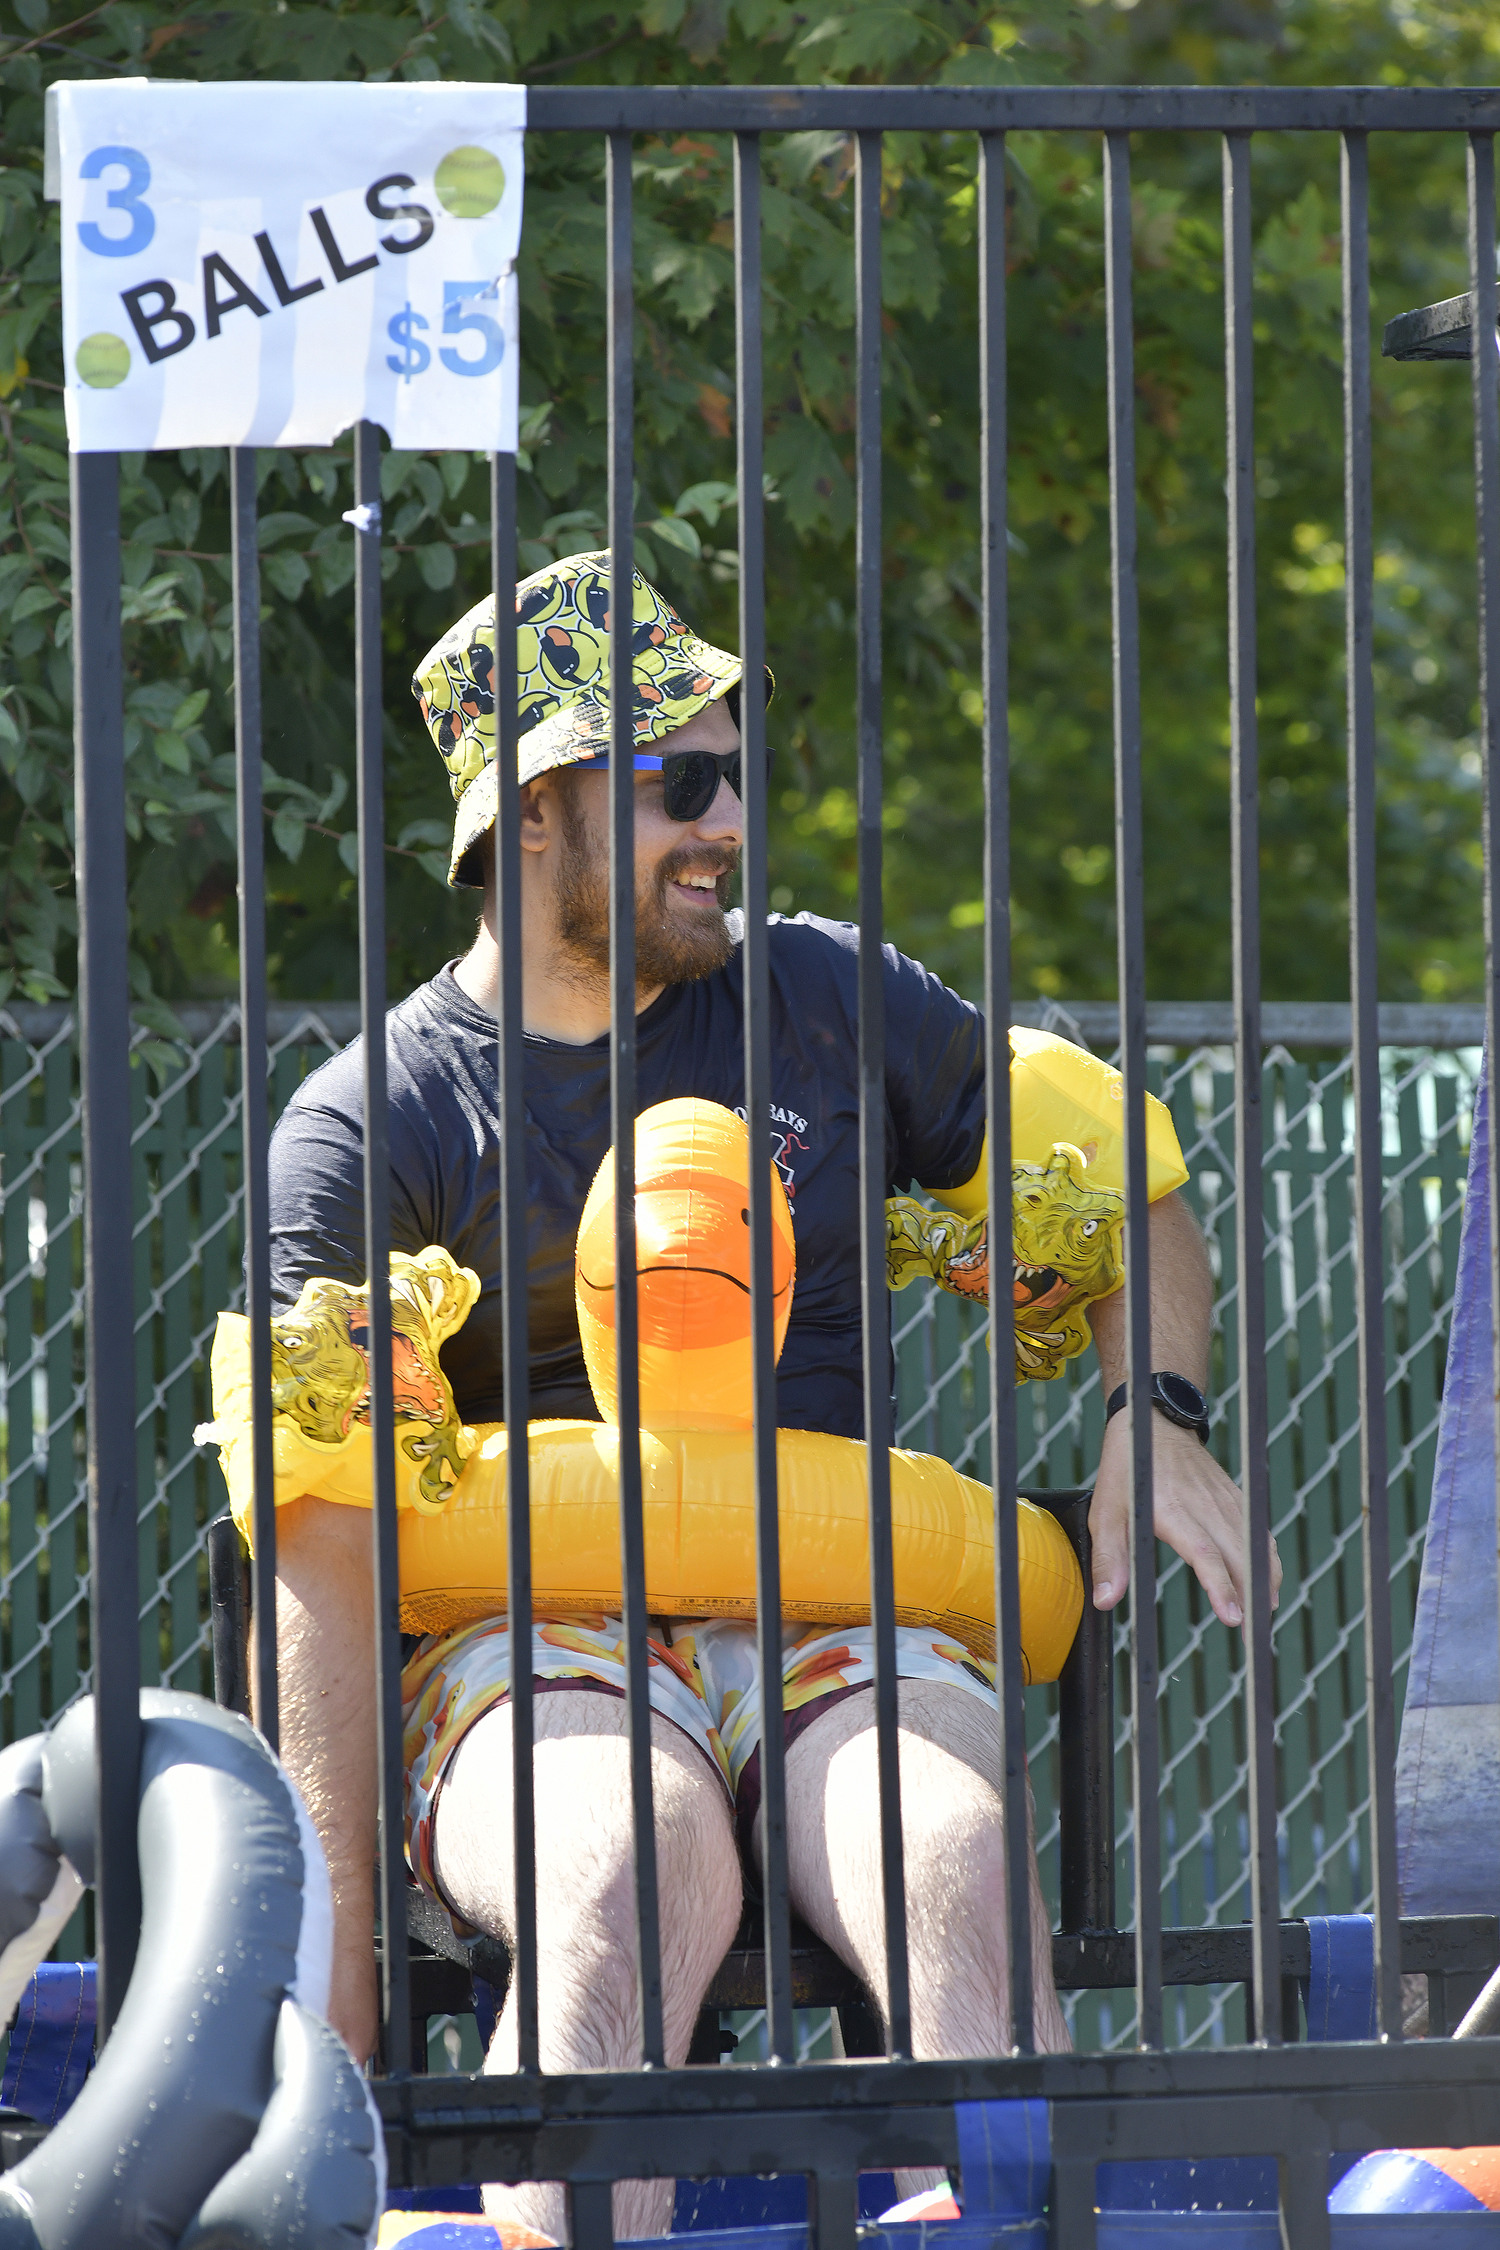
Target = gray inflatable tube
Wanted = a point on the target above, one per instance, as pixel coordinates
(223, 2113)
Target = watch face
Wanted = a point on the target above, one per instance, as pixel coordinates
(1182, 1400)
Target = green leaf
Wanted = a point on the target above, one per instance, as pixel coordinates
(190, 710)
(534, 421)
(422, 832)
(707, 500)
(289, 831)
(34, 600)
(349, 850)
(173, 752)
(51, 541)
(675, 531)
(14, 572)
(281, 525)
(186, 511)
(287, 573)
(438, 565)
(338, 790)
(152, 604)
(322, 472)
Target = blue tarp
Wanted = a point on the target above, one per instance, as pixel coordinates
(51, 2041)
(1448, 1765)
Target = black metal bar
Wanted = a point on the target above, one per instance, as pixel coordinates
(1072, 2218)
(591, 2223)
(1086, 1741)
(832, 2210)
(1303, 2197)
(228, 1615)
(1486, 394)
(1222, 1953)
(622, 997)
(369, 752)
(108, 1209)
(1222, 2099)
(1364, 969)
(515, 1344)
(1131, 943)
(256, 1124)
(874, 1289)
(805, 2120)
(781, 2037)
(1462, 1946)
(1244, 852)
(998, 109)
(1441, 331)
(1010, 1679)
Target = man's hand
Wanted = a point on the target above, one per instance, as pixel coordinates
(1199, 1511)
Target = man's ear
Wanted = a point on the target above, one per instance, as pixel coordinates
(538, 815)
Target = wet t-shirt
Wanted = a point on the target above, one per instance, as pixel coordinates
(444, 1164)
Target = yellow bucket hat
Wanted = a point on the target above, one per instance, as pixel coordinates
(562, 681)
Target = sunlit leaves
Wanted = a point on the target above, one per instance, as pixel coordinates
(180, 686)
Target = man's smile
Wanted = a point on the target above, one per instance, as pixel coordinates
(698, 886)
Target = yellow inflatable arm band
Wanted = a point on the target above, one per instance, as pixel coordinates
(1059, 1092)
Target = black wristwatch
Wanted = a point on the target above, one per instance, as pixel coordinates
(1173, 1395)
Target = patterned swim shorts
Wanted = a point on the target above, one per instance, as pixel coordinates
(702, 1677)
(820, 1666)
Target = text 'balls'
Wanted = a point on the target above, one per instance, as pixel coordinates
(102, 361)
(469, 182)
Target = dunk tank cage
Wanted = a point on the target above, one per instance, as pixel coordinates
(1296, 2102)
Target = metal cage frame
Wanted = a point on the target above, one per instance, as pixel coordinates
(1297, 2102)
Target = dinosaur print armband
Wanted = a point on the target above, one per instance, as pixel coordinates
(1066, 1250)
(320, 1390)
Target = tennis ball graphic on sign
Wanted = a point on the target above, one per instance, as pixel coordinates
(469, 182)
(102, 361)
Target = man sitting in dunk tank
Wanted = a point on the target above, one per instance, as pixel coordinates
(445, 1190)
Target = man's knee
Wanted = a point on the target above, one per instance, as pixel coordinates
(584, 1838)
(939, 1728)
(952, 1815)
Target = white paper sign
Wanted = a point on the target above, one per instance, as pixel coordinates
(266, 264)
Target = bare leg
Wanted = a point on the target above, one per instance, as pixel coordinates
(590, 2015)
(953, 1831)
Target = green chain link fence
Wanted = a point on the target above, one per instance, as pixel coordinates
(185, 1128)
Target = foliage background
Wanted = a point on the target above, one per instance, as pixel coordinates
(176, 505)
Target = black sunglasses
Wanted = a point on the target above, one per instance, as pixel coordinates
(690, 778)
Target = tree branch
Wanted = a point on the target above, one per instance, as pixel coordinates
(50, 38)
(589, 54)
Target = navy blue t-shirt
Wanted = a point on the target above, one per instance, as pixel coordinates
(445, 1173)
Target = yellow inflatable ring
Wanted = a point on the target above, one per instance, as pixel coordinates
(699, 1492)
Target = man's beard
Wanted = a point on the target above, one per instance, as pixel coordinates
(665, 953)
